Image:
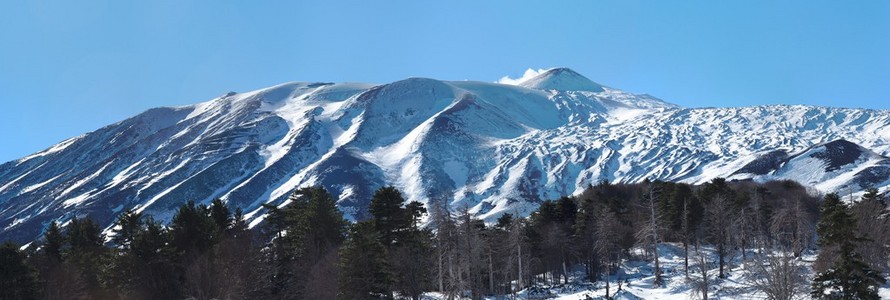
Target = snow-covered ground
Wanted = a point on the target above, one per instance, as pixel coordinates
(637, 278)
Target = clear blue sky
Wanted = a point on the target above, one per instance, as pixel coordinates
(69, 67)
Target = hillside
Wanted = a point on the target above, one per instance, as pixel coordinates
(491, 147)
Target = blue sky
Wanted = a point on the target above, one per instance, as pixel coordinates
(69, 67)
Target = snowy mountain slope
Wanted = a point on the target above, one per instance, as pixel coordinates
(834, 166)
(562, 79)
(490, 147)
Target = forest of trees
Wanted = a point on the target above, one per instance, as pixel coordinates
(307, 250)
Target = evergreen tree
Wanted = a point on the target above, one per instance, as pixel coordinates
(585, 233)
(150, 241)
(552, 227)
(192, 231)
(155, 261)
(128, 223)
(836, 227)
(221, 215)
(410, 262)
(53, 241)
(144, 266)
(850, 278)
(842, 273)
(239, 225)
(85, 236)
(408, 248)
(242, 260)
(314, 228)
(58, 279)
(87, 253)
(17, 279)
(194, 234)
(212, 268)
(389, 214)
(122, 274)
(504, 221)
(363, 264)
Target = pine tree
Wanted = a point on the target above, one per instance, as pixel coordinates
(143, 267)
(240, 227)
(122, 274)
(240, 261)
(193, 232)
(155, 261)
(363, 264)
(128, 223)
(221, 215)
(87, 253)
(150, 241)
(842, 273)
(58, 278)
(552, 225)
(49, 263)
(17, 279)
(53, 241)
(314, 228)
(410, 261)
(389, 214)
(407, 248)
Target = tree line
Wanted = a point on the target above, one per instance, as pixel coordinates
(305, 249)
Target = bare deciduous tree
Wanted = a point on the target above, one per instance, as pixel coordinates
(648, 234)
(516, 240)
(718, 214)
(779, 276)
(793, 227)
(701, 285)
(608, 247)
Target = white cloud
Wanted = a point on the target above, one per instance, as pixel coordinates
(526, 76)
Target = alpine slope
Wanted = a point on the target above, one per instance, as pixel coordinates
(487, 147)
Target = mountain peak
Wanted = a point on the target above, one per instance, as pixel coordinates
(489, 147)
(562, 79)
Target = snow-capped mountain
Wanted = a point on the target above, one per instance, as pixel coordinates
(490, 147)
